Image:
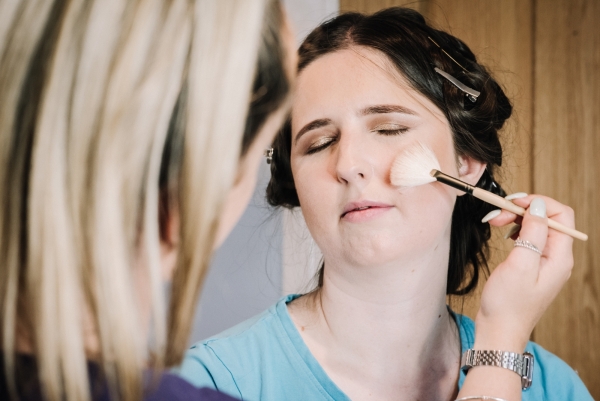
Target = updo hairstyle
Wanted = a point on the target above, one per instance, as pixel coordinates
(415, 49)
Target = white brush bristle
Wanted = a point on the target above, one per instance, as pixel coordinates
(413, 166)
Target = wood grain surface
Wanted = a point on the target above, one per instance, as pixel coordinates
(546, 55)
(566, 149)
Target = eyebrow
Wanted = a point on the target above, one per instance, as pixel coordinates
(322, 122)
(386, 108)
(377, 109)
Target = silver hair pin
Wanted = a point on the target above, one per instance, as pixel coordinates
(269, 155)
(471, 93)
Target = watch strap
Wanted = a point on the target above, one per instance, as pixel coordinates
(521, 364)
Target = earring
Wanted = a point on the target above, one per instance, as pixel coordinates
(268, 153)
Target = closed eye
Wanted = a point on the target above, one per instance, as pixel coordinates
(320, 144)
(390, 129)
(391, 132)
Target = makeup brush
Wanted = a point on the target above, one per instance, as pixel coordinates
(418, 165)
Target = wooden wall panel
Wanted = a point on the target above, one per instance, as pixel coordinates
(566, 167)
(546, 54)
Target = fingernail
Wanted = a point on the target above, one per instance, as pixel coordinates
(512, 231)
(516, 195)
(538, 207)
(491, 215)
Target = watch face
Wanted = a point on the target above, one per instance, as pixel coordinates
(527, 377)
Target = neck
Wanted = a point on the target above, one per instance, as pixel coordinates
(398, 304)
(391, 321)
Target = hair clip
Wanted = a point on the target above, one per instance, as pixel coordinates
(471, 93)
(269, 155)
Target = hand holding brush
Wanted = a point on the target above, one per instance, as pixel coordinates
(418, 165)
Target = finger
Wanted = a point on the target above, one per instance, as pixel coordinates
(554, 209)
(522, 199)
(533, 233)
(559, 245)
(534, 226)
(516, 195)
(513, 232)
(500, 218)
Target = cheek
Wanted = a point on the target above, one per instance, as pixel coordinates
(315, 193)
(436, 201)
(427, 209)
(444, 151)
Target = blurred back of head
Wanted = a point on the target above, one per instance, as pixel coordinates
(87, 95)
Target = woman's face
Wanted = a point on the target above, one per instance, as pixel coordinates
(352, 115)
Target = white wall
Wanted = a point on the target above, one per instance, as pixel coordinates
(307, 14)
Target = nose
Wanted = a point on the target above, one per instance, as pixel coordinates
(353, 166)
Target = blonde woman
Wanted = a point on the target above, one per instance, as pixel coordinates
(90, 224)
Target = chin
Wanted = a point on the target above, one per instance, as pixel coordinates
(367, 262)
(374, 250)
(388, 246)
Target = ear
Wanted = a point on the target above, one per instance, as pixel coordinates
(470, 170)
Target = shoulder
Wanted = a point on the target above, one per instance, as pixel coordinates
(224, 360)
(242, 341)
(553, 379)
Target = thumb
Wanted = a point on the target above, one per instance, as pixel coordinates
(532, 238)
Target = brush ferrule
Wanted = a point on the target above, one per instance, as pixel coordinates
(453, 182)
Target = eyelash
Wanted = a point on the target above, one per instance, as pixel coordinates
(314, 149)
(392, 132)
(385, 132)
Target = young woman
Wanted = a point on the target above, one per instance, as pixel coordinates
(378, 327)
(91, 225)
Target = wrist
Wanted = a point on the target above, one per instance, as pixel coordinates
(521, 364)
(499, 335)
(493, 381)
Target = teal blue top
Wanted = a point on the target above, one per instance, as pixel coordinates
(266, 359)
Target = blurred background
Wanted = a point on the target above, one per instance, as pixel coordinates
(546, 54)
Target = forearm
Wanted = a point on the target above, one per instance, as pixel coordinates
(491, 381)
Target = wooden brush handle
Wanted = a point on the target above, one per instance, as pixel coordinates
(511, 207)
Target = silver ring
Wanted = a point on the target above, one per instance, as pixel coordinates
(527, 244)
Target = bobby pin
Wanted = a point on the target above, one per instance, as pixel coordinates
(471, 93)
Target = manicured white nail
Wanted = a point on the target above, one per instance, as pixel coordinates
(538, 207)
(512, 231)
(516, 195)
(491, 215)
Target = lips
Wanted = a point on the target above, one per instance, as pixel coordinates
(363, 205)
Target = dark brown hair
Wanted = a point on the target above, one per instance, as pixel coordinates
(415, 49)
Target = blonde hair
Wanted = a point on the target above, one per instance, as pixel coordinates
(87, 89)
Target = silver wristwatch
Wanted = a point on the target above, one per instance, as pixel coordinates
(520, 364)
